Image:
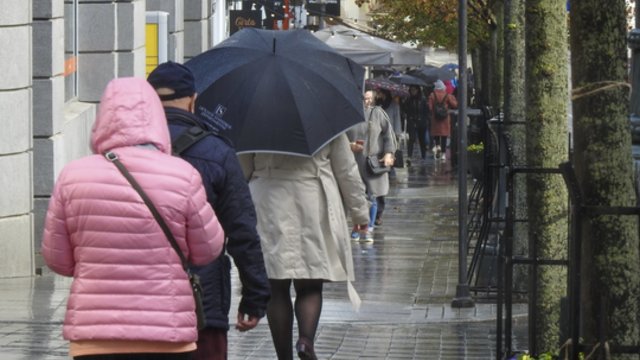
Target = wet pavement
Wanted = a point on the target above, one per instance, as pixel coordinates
(406, 278)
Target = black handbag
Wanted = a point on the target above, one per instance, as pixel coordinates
(194, 279)
(399, 159)
(375, 167)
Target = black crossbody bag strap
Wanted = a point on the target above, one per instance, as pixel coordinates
(114, 159)
(194, 279)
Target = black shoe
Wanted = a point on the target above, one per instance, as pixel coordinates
(378, 222)
(304, 347)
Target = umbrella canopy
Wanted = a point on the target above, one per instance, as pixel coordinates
(450, 66)
(407, 79)
(367, 49)
(431, 74)
(382, 82)
(277, 91)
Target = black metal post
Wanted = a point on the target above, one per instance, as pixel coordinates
(463, 298)
(508, 263)
(633, 40)
(575, 246)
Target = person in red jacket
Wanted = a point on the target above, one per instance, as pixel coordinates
(441, 125)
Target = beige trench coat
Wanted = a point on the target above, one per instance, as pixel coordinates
(301, 216)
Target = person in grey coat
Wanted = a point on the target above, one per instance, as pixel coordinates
(374, 136)
(300, 202)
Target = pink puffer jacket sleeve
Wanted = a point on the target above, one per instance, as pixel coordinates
(56, 247)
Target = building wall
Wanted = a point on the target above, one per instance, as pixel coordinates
(16, 144)
(41, 130)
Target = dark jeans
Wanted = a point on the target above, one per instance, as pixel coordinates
(417, 133)
(212, 345)
(138, 356)
(380, 201)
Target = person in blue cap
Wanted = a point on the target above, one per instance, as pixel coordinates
(229, 195)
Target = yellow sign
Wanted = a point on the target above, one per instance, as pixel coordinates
(152, 47)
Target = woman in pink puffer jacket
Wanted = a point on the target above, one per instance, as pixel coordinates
(130, 293)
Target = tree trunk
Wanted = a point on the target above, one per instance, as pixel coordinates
(486, 72)
(514, 111)
(497, 97)
(546, 147)
(476, 63)
(604, 168)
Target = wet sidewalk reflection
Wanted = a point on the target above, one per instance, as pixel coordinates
(406, 279)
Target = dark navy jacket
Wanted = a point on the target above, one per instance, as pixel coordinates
(228, 194)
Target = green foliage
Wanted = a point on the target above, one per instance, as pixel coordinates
(432, 22)
(476, 148)
(545, 356)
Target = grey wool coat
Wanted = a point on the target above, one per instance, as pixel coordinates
(379, 139)
(300, 203)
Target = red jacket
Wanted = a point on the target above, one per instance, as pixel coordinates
(441, 127)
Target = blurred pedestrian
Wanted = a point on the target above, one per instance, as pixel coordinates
(130, 296)
(302, 224)
(372, 137)
(441, 125)
(391, 105)
(228, 193)
(395, 115)
(415, 113)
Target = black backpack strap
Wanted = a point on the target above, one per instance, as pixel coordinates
(188, 138)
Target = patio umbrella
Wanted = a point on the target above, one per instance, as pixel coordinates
(366, 49)
(277, 91)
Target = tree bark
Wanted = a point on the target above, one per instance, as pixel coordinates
(497, 96)
(514, 111)
(546, 147)
(604, 168)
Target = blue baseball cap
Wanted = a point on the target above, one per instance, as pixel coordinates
(174, 76)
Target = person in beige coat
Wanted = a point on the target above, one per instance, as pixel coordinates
(300, 203)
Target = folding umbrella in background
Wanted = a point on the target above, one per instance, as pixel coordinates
(449, 66)
(407, 79)
(278, 91)
(431, 74)
(382, 82)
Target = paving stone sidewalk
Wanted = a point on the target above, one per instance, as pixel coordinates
(406, 278)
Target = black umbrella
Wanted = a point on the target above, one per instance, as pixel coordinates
(407, 79)
(431, 74)
(278, 91)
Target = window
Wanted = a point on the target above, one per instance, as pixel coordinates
(70, 49)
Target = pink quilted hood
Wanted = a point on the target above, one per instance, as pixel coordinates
(130, 113)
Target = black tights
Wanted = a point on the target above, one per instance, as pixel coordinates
(442, 141)
(280, 312)
(418, 133)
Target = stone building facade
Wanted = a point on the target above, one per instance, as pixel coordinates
(58, 56)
